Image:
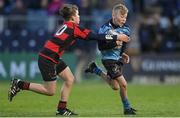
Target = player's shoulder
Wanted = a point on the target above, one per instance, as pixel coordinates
(126, 26)
(107, 24)
(105, 27)
(125, 29)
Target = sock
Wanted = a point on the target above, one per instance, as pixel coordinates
(62, 105)
(125, 102)
(23, 85)
(97, 71)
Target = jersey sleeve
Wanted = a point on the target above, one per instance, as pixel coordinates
(81, 33)
(105, 45)
(86, 34)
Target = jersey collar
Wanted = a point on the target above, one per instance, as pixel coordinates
(113, 25)
(70, 23)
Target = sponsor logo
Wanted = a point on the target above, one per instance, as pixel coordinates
(109, 37)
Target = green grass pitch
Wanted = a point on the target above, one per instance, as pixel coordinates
(95, 99)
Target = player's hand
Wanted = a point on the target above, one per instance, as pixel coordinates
(122, 37)
(119, 43)
(125, 58)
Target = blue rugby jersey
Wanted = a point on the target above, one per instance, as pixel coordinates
(114, 52)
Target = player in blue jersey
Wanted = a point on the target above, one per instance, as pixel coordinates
(113, 56)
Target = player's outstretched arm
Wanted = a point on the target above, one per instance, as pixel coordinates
(107, 37)
(106, 44)
(87, 34)
(82, 33)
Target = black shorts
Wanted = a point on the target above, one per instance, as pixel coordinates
(49, 69)
(114, 68)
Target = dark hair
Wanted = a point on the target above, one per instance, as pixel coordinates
(67, 11)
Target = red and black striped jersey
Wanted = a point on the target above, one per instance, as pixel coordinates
(65, 36)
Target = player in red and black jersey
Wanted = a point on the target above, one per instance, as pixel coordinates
(51, 64)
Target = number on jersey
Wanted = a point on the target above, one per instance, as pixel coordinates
(61, 30)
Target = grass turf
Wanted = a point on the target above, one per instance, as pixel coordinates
(95, 99)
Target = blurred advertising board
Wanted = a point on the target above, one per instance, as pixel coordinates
(153, 65)
(24, 65)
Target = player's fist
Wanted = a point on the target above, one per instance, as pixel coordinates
(119, 43)
(125, 58)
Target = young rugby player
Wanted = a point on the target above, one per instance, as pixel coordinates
(113, 55)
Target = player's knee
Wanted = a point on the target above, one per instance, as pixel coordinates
(124, 85)
(50, 93)
(115, 88)
(70, 81)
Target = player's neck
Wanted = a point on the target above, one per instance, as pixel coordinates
(116, 24)
(69, 21)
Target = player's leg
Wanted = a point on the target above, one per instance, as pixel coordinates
(114, 69)
(128, 110)
(68, 78)
(64, 73)
(111, 82)
(123, 91)
(48, 72)
(115, 80)
(48, 88)
(114, 84)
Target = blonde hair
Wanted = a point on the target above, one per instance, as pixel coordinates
(120, 7)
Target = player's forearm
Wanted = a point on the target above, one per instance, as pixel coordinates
(105, 45)
(95, 36)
